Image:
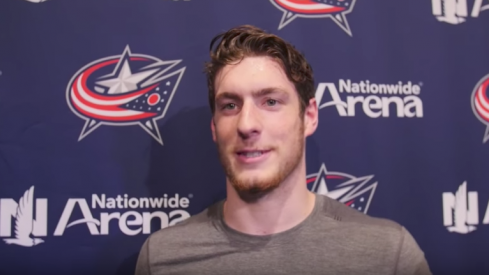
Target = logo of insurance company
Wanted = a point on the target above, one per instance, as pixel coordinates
(456, 11)
(352, 191)
(461, 210)
(480, 103)
(121, 90)
(376, 99)
(335, 10)
(25, 224)
(131, 214)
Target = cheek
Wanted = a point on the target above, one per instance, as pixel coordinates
(286, 128)
(224, 129)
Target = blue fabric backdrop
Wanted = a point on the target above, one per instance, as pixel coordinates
(105, 137)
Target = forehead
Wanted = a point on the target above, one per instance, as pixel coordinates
(251, 74)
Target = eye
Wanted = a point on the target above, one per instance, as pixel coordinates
(229, 106)
(271, 102)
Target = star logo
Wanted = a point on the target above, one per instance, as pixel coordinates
(356, 192)
(480, 104)
(122, 90)
(332, 9)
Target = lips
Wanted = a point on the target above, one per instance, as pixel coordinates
(252, 156)
(252, 153)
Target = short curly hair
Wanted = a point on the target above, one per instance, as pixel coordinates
(246, 40)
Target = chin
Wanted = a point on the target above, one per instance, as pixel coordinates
(253, 192)
(254, 178)
(254, 185)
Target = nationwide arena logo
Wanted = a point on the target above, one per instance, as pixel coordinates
(480, 104)
(122, 90)
(375, 100)
(133, 215)
(335, 10)
(355, 192)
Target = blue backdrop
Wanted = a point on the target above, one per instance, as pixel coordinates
(105, 128)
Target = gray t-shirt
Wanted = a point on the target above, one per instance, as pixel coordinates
(333, 239)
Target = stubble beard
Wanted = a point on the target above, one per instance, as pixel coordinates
(251, 190)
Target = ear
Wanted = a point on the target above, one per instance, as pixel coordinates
(213, 129)
(311, 117)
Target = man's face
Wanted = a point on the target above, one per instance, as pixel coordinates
(257, 125)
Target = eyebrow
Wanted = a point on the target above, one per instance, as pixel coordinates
(259, 93)
(270, 90)
(227, 95)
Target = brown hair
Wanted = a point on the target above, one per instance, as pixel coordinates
(242, 41)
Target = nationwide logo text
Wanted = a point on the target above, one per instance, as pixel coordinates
(374, 100)
(133, 215)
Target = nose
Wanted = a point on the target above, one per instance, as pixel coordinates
(249, 121)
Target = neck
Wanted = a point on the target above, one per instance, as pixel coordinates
(280, 210)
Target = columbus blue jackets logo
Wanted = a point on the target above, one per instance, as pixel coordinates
(122, 90)
(356, 192)
(333, 9)
(480, 103)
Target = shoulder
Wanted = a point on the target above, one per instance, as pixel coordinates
(343, 214)
(355, 226)
(171, 243)
(377, 234)
(198, 226)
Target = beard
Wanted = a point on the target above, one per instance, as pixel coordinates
(252, 189)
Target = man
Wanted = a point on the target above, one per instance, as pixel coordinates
(261, 93)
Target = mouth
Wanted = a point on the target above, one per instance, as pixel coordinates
(250, 156)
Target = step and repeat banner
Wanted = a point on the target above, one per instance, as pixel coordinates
(105, 124)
